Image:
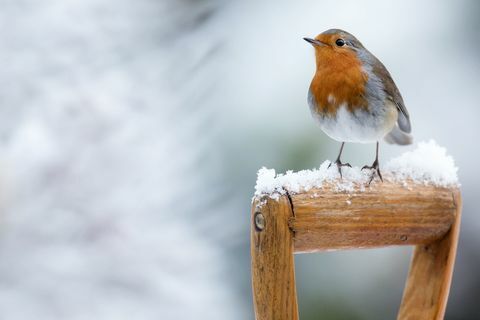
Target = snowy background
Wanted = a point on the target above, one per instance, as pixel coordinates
(131, 133)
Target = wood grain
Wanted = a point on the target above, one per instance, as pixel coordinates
(382, 215)
(428, 284)
(273, 271)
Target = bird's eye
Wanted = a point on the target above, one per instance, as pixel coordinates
(340, 42)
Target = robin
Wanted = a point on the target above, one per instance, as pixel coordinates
(353, 96)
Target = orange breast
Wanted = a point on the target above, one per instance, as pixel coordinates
(339, 80)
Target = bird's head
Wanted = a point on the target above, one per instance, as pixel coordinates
(335, 43)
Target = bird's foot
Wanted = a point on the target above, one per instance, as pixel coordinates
(376, 171)
(339, 165)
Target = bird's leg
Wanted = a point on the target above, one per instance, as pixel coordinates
(339, 163)
(375, 166)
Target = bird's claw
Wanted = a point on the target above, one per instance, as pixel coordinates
(376, 171)
(339, 165)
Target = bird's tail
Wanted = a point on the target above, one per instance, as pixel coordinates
(397, 136)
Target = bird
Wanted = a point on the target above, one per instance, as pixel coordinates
(353, 97)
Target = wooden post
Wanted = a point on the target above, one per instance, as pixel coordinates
(428, 284)
(273, 271)
(382, 215)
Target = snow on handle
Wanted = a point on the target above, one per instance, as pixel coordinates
(427, 164)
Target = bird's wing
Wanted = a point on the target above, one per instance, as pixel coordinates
(393, 94)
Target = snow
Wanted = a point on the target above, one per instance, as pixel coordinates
(428, 163)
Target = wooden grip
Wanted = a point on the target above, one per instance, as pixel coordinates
(383, 214)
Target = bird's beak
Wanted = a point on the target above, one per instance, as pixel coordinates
(315, 42)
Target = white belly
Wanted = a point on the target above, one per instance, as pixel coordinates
(359, 127)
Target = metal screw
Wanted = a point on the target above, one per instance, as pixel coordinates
(259, 221)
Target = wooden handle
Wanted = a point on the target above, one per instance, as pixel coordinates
(381, 215)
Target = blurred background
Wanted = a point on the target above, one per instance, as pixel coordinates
(131, 133)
